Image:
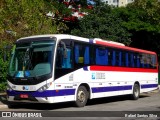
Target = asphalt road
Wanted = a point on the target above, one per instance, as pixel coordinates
(120, 107)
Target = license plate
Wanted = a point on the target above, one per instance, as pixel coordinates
(23, 96)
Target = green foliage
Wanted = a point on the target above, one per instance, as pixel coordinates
(3, 69)
(4, 64)
(102, 23)
(25, 18)
(143, 15)
(3, 86)
(142, 19)
(20, 18)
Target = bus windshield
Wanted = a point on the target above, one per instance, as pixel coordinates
(32, 59)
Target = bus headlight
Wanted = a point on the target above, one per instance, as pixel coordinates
(45, 87)
(9, 87)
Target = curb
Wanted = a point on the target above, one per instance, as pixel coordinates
(3, 106)
(155, 91)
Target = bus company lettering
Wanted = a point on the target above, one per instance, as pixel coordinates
(98, 76)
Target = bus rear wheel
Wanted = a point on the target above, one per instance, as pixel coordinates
(136, 92)
(82, 97)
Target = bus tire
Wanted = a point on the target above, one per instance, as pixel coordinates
(81, 97)
(11, 104)
(136, 92)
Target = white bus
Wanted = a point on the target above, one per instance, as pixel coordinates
(59, 68)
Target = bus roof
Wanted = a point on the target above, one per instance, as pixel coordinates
(123, 47)
(95, 41)
(46, 35)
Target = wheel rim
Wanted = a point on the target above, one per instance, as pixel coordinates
(136, 92)
(81, 96)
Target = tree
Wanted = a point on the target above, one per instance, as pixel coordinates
(142, 19)
(102, 23)
(20, 18)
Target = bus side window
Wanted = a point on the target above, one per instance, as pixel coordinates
(101, 56)
(92, 55)
(138, 61)
(127, 62)
(123, 58)
(147, 61)
(81, 54)
(110, 57)
(86, 56)
(142, 60)
(153, 61)
(114, 58)
(132, 60)
(118, 58)
(76, 53)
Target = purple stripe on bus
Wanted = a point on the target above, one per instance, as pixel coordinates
(90, 41)
(149, 86)
(47, 93)
(85, 68)
(119, 88)
(65, 92)
(110, 89)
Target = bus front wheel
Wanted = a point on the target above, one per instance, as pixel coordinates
(136, 92)
(81, 97)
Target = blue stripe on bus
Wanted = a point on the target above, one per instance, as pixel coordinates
(85, 68)
(47, 93)
(149, 86)
(90, 41)
(64, 92)
(120, 88)
(110, 89)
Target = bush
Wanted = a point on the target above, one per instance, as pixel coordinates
(4, 63)
(3, 70)
(3, 86)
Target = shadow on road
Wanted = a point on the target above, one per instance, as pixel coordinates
(42, 106)
(112, 99)
(3, 98)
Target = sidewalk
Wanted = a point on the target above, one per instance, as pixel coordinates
(3, 101)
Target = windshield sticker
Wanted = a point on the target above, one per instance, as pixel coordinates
(27, 73)
(20, 74)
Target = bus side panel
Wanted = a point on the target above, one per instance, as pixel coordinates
(103, 83)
